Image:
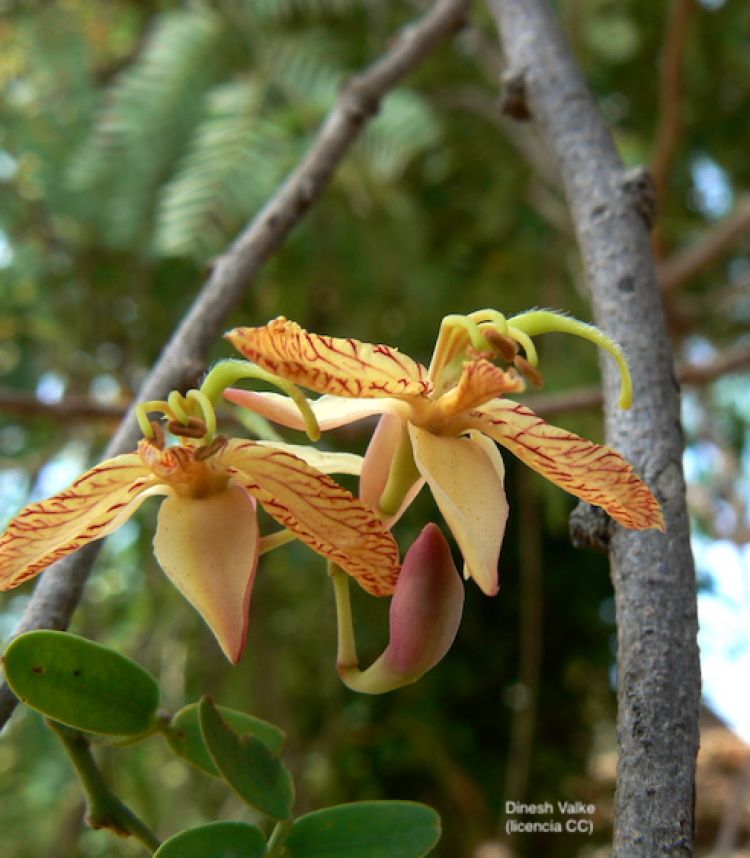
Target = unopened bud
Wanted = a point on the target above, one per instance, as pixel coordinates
(424, 617)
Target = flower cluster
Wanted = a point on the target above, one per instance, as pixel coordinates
(438, 426)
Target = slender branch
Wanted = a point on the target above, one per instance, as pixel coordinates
(59, 590)
(712, 246)
(653, 573)
(671, 87)
(71, 409)
(693, 374)
(104, 808)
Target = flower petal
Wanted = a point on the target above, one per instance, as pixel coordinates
(378, 462)
(330, 411)
(208, 547)
(319, 511)
(325, 461)
(92, 507)
(466, 479)
(480, 381)
(595, 473)
(344, 367)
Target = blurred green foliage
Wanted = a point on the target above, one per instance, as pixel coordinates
(136, 138)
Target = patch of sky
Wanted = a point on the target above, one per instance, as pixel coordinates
(732, 393)
(125, 536)
(8, 166)
(13, 610)
(692, 412)
(6, 250)
(12, 439)
(712, 4)
(724, 616)
(14, 489)
(105, 389)
(712, 193)
(702, 460)
(61, 470)
(50, 388)
(698, 349)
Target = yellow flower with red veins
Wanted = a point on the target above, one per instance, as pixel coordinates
(440, 425)
(207, 539)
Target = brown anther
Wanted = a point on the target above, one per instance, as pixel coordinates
(158, 439)
(209, 449)
(528, 371)
(476, 354)
(194, 428)
(506, 347)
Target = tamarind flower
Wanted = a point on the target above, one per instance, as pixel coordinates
(440, 425)
(207, 538)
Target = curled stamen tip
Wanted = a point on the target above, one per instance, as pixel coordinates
(528, 371)
(208, 450)
(506, 347)
(158, 437)
(194, 428)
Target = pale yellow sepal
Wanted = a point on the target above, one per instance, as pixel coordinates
(466, 476)
(208, 547)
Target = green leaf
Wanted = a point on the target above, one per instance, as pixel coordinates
(215, 840)
(186, 740)
(246, 764)
(80, 683)
(365, 829)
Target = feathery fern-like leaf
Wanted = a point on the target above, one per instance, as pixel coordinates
(405, 126)
(149, 115)
(236, 160)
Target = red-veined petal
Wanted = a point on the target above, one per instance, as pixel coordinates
(592, 472)
(92, 507)
(480, 381)
(325, 461)
(465, 476)
(344, 367)
(208, 547)
(317, 510)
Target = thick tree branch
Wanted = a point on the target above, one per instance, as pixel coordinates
(653, 573)
(59, 589)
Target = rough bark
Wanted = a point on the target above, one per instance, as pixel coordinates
(59, 589)
(653, 573)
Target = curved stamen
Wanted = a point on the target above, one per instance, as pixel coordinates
(536, 322)
(177, 404)
(228, 372)
(494, 317)
(142, 411)
(528, 346)
(455, 335)
(207, 410)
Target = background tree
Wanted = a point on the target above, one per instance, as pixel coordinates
(136, 142)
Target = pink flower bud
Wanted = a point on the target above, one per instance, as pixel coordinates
(424, 617)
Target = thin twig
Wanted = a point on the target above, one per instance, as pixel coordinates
(72, 409)
(653, 573)
(711, 247)
(671, 87)
(693, 374)
(59, 590)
